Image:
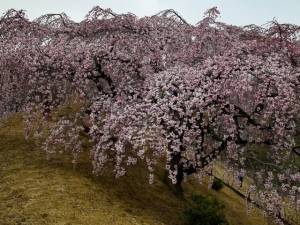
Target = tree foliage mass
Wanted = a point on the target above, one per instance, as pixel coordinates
(156, 87)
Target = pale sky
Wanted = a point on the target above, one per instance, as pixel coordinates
(236, 12)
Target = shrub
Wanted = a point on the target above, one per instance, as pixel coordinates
(204, 210)
(217, 184)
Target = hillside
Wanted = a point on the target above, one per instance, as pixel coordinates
(37, 191)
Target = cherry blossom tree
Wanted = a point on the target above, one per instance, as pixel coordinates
(154, 87)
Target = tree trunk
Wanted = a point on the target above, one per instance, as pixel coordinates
(175, 188)
(175, 165)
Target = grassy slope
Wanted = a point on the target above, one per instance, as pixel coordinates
(36, 191)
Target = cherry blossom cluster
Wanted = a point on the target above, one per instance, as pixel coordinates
(146, 88)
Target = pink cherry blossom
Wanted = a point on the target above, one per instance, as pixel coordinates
(154, 87)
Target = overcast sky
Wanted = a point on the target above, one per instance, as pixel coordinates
(236, 12)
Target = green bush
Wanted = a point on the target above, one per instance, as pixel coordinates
(204, 210)
(217, 184)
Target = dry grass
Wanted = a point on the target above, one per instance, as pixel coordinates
(36, 191)
(235, 205)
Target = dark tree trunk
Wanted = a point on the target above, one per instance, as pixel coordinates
(175, 165)
(175, 188)
(188, 168)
